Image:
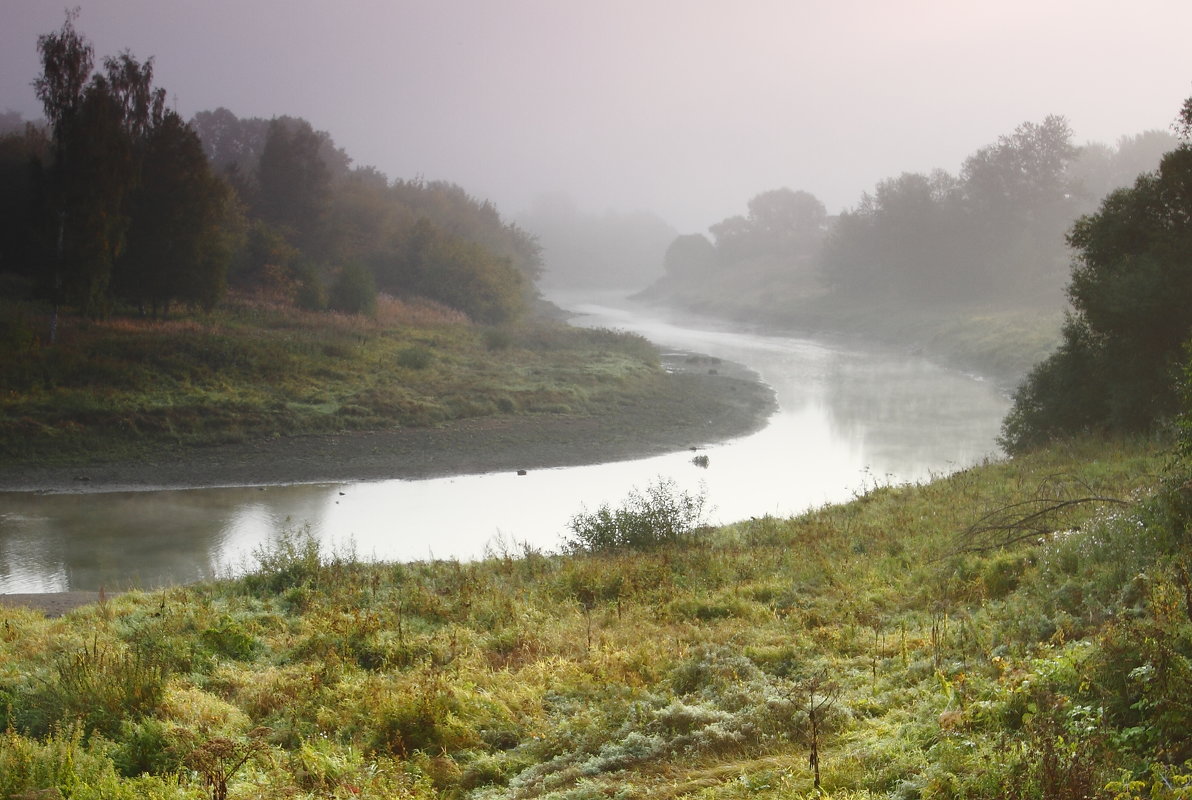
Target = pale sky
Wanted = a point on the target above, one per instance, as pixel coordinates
(686, 108)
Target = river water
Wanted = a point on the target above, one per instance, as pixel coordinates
(848, 417)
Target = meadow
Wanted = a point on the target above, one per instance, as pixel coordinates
(1019, 629)
(254, 369)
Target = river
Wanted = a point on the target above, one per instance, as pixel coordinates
(849, 417)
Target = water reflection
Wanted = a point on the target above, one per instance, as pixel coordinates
(847, 416)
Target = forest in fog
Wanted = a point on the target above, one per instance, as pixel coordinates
(993, 233)
(115, 202)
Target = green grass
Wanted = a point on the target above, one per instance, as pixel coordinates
(253, 370)
(1052, 668)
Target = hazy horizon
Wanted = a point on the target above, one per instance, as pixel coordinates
(683, 109)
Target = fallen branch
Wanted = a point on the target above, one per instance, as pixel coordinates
(1027, 519)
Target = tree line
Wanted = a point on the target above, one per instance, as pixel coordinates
(1030, 220)
(993, 232)
(1125, 360)
(117, 202)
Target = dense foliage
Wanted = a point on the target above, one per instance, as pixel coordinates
(119, 203)
(1131, 295)
(986, 664)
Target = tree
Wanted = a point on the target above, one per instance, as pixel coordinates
(733, 239)
(1020, 197)
(67, 58)
(786, 223)
(131, 200)
(142, 107)
(178, 246)
(230, 142)
(22, 154)
(294, 185)
(691, 255)
(1131, 291)
(90, 182)
(1023, 173)
(355, 291)
(1183, 124)
(906, 241)
(453, 271)
(783, 227)
(1099, 169)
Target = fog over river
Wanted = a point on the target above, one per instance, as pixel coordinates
(848, 417)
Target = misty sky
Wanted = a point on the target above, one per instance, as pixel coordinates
(683, 107)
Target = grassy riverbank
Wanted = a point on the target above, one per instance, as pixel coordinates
(1000, 341)
(940, 665)
(127, 389)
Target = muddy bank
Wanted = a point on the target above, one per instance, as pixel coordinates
(701, 401)
(52, 604)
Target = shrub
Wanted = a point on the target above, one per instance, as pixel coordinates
(61, 765)
(292, 562)
(662, 515)
(311, 294)
(354, 291)
(100, 685)
(415, 357)
(228, 638)
(498, 338)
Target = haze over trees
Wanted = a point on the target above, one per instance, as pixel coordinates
(1030, 220)
(994, 233)
(775, 244)
(596, 251)
(117, 202)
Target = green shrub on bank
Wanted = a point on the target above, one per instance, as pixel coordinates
(659, 516)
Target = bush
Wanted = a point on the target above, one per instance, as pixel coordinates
(355, 291)
(62, 765)
(415, 357)
(498, 338)
(644, 521)
(101, 685)
(293, 561)
(311, 294)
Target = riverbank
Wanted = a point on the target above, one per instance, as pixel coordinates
(678, 671)
(696, 402)
(1000, 342)
(52, 604)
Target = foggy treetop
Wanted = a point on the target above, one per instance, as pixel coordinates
(684, 109)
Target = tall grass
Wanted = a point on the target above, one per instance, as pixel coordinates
(1056, 667)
